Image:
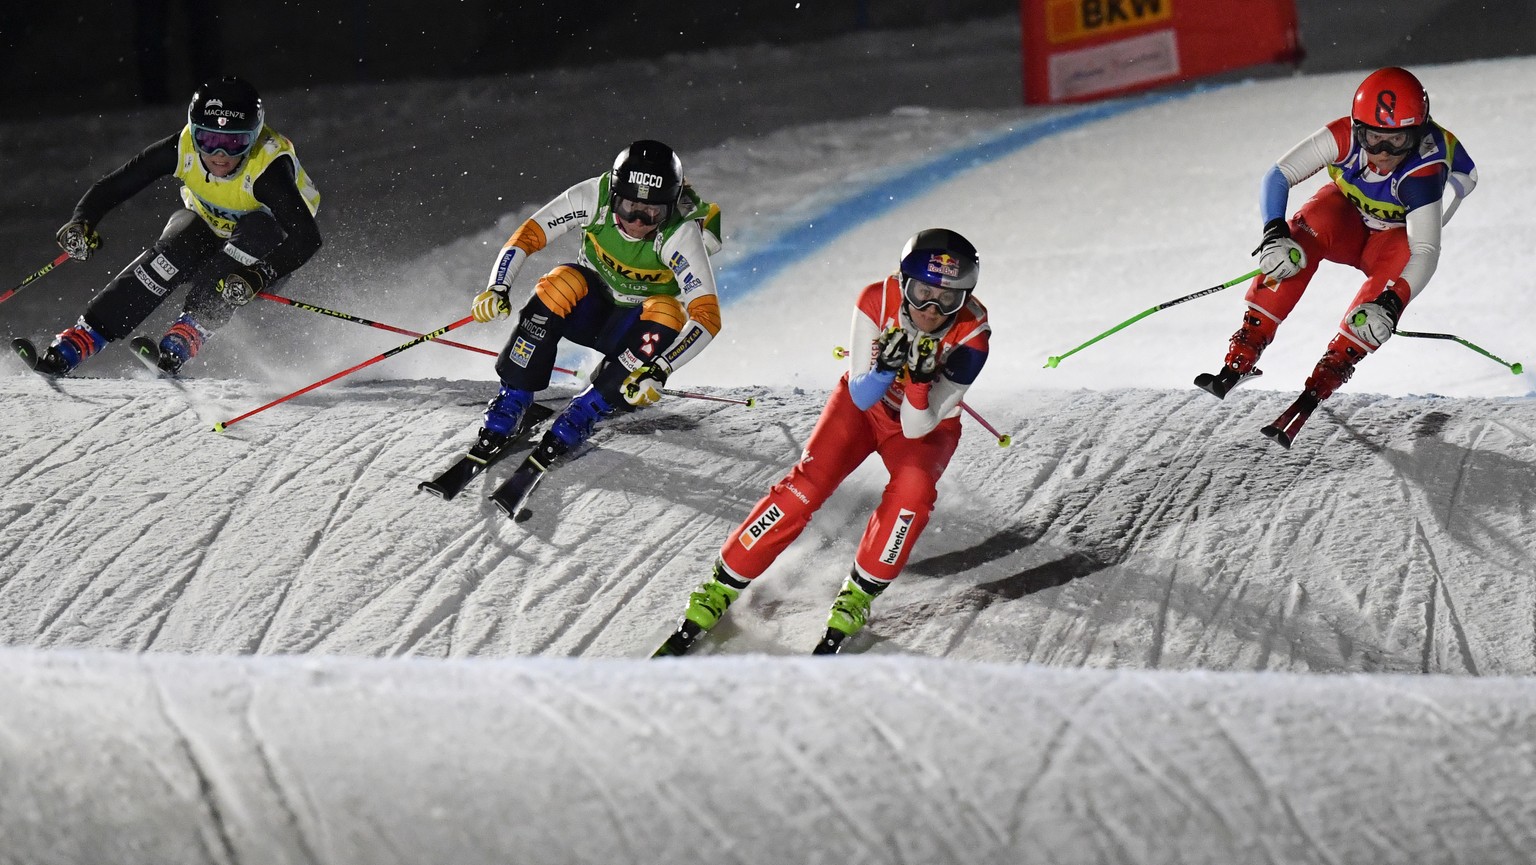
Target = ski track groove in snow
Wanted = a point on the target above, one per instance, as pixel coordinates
(638, 584)
(1057, 753)
(1452, 618)
(1274, 798)
(208, 797)
(262, 750)
(615, 811)
(1115, 841)
(469, 547)
(441, 612)
(355, 462)
(997, 827)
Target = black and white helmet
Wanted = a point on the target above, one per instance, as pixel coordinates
(226, 116)
(938, 269)
(648, 172)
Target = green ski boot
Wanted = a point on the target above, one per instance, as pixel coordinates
(706, 605)
(849, 613)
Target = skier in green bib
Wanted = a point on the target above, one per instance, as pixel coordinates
(642, 292)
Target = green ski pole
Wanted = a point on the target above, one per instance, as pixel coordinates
(1055, 359)
(1515, 368)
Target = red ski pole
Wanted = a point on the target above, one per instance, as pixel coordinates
(1003, 439)
(63, 257)
(220, 427)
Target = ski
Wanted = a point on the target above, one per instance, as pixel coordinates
(513, 493)
(147, 351)
(30, 356)
(26, 351)
(1283, 431)
(830, 643)
(1220, 384)
(681, 641)
(457, 476)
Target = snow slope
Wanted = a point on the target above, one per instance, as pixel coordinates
(1395, 537)
(1142, 633)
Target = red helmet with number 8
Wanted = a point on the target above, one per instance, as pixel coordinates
(1391, 100)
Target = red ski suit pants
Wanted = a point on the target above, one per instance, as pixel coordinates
(1329, 227)
(843, 438)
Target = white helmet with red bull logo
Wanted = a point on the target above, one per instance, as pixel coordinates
(938, 269)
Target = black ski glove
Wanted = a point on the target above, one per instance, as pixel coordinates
(923, 360)
(241, 287)
(77, 238)
(892, 355)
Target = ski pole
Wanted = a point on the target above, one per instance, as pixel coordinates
(309, 307)
(63, 257)
(1003, 439)
(1055, 359)
(1515, 368)
(749, 402)
(220, 427)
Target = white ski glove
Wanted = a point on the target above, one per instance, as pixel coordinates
(644, 385)
(1280, 257)
(1373, 323)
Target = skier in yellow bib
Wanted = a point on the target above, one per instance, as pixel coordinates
(247, 220)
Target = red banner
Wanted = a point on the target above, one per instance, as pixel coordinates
(1079, 50)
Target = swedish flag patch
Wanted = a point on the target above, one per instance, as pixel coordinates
(522, 352)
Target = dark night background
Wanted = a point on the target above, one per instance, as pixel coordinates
(85, 85)
(99, 54)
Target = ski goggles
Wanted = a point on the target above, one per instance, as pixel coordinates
(1395, 142)
(638, 211)
(920, 294)
(216, 141)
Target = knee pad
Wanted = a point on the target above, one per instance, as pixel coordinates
(561, 289)
(706, 311)
(664, 310)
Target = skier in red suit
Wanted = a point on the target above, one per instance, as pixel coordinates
(919, 341)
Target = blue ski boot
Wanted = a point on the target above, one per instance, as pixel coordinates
(573, 427)
(67, 351)
(180, 344)
(503, 417)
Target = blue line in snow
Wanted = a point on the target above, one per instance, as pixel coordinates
(746, 275)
